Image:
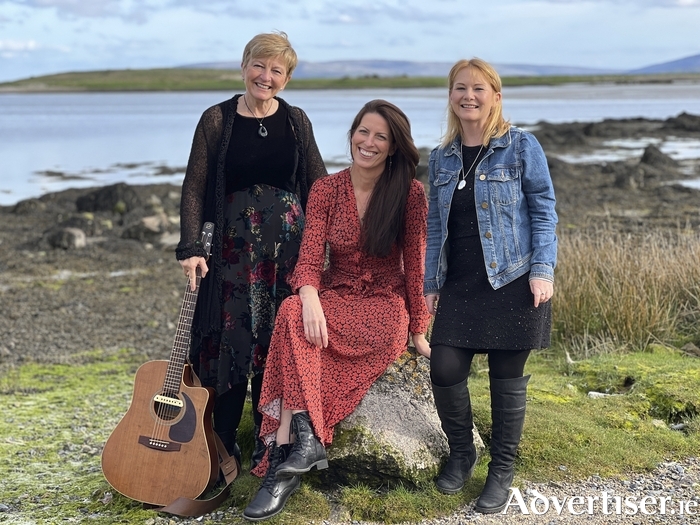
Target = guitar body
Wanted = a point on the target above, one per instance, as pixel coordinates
(164, 446)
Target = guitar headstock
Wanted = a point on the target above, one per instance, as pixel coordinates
(206, 238)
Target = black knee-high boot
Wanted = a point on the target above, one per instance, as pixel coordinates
(273, 493)
(307, 451)
(258, 450)
(508, 416)
(455, 411)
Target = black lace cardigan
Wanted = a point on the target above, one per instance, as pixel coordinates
(203, 197)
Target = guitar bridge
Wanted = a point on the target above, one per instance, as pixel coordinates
(159, 444)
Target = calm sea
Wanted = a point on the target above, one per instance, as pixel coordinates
(50, 142)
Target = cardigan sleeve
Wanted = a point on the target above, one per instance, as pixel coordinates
(414, 257)
(312, 253)
(200, 166)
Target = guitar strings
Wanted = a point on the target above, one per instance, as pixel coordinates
(171, 386)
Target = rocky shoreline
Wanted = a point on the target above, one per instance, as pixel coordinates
(94, 268)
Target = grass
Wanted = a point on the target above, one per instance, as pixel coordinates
(60, 415)
(178, 79)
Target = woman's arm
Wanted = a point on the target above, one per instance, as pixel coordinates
(202, 159)
(312, 253)
(434, 232)
(414, 257)
(539, 192)
(306, 279)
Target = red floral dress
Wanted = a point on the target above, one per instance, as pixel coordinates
(370, 304)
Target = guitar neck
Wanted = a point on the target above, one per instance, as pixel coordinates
(181, 346)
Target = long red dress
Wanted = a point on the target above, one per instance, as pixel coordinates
(370, 304)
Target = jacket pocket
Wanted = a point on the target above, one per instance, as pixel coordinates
(442, 177)
(504, 184)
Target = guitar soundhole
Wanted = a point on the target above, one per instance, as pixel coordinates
(167, 407)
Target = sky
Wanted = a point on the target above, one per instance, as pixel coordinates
(39, 37)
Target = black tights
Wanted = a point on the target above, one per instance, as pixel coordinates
(228, 407)
(450, 365)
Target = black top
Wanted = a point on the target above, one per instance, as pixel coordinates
(252, 159)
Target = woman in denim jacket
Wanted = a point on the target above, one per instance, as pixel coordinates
(490, 259)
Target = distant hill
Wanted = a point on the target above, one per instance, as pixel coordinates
(397, 68)
(684, 65)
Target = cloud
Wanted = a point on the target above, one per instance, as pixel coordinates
(13, 46)
(637, 3)
(129, 10)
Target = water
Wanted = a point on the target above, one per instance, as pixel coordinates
(49, 142)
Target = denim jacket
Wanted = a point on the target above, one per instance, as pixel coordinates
(514, 207)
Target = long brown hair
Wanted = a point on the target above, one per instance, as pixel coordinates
(383, 224)
(496, 125)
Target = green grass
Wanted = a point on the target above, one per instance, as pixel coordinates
(176, 79)
(57, 418)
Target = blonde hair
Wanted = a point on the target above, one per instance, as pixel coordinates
(271, 45)
(496, 125)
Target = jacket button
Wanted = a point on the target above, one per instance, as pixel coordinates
(482, 177)
(488, 235)
(493, 264)
(484, 205)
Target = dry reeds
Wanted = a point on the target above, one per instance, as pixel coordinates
(618, 291)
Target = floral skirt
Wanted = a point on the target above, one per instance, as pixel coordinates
(262, 235)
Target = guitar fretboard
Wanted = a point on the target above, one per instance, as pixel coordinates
(181, 346)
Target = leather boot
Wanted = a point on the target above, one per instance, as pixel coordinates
(508, 416)
(307, 451)
(258, 450)
(273, 493)
(455, 411)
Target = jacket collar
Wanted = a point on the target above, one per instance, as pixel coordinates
(501, 142)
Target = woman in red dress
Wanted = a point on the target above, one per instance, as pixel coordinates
(351, 318)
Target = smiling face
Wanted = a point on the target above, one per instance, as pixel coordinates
(264, 77)
(371, 143)
(472, 97)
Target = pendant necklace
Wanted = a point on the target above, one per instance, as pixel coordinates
(262, 130)
(463, 182)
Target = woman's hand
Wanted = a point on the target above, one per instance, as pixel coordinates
(315, 329)
(421, 344)
(431, 302)
(189, 266)
(542, 290)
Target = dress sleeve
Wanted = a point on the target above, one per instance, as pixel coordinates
(201, 162)
(414, 257)
(312, 254)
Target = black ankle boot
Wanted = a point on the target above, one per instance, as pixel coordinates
(273, 493)
(455, 411)
(307, 451)
(259, 450)
(508, 416)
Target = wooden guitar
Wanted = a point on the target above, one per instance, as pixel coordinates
(164, 447)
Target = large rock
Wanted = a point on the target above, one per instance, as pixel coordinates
(148, 229)
(117, 198)
(653, 156)
(683, 122)
(394, 435)
(65, 238)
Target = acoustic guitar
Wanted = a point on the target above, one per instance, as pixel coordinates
(164, 447)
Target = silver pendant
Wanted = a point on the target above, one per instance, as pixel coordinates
(262, 131)
(461, 184)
